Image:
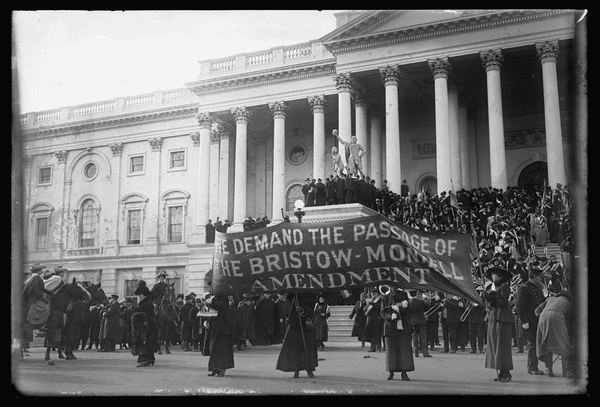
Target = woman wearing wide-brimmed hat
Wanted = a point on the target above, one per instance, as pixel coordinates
(500, 322)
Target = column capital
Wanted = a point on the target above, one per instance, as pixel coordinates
(547, 51)
(390, 74)
(278, 109)
(439, 67)
(61, 156)
(204, 119)
(241, 114)
(343, 82)
(195, 136)
(317, 103)
(492, 59)
(359, 97)
(116, 148)
(219, 132)
(155, 143)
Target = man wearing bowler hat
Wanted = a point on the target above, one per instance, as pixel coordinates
(529, 296)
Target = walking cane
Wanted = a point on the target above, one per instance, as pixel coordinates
(301, 329)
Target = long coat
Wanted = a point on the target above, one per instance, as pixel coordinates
(321, 313)
(553, 327)
(360, 320)
(145, 345)
(500, 322)
(398, 342)
(299, 349)
(244, 327)
(264, 319)
(374, 324)
(221, 335)
(111, 321)
(184, 320)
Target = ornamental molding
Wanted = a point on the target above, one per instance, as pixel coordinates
(116, 148)
(113, 121)
(260, 78)
(359, 36)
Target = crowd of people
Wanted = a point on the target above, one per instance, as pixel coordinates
(526, 296)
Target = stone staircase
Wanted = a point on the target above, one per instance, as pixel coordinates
(340, 326)
(549, 250)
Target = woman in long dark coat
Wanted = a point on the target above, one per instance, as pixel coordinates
(374, 323)
(221, 336)
(299, 349)
(360, 320)
(321, 314)
(144, 333)
(500, 322)
(397, 333)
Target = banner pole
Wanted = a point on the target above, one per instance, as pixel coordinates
(301, 329)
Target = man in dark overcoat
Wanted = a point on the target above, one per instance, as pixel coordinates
(185, 324)
(340, 192)
(418, 322)
(111, 324)
(264, 319)
(529, 296)
(321, 195)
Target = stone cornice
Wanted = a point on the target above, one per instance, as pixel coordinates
(360, 37)
(111, 121)
(259, 78)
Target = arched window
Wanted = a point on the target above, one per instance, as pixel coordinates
(294, 193)
(87, 223)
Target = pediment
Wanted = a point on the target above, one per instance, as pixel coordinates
(381, 26)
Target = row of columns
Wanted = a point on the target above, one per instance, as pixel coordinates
(452, 152)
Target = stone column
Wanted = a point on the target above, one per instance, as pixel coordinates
(344, 83)
(454, 134)
(241, 116)
(198, 234)
(375, 154)
(391, 77)
(279, 110)
(548, 53)
(463, 135)
(440, 68)
(360, 109)
(320, 165)
(492, 61)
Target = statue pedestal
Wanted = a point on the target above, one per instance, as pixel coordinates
(332, 213)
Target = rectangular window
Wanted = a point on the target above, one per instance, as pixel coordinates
(45, 175)
(136, 164)
(175, 227)
(130, 287)
(177, 159)
(88, 226)
(134, 226)
(41, 234)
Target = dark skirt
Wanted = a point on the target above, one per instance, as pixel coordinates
(221, 351)
(398, 353)
(293, 357)
(498, 354)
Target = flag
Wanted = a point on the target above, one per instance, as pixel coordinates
(453, 200)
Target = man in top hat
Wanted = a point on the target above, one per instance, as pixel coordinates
(158, 291)
(111, 324)
(529, 296)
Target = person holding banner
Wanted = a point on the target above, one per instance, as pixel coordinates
(500, 325)
(397, 333)
(299, 348)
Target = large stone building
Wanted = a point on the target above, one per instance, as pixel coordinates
(118, 190)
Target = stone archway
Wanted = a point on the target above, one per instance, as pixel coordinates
(534, 174)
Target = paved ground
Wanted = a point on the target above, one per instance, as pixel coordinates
(344, 369)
